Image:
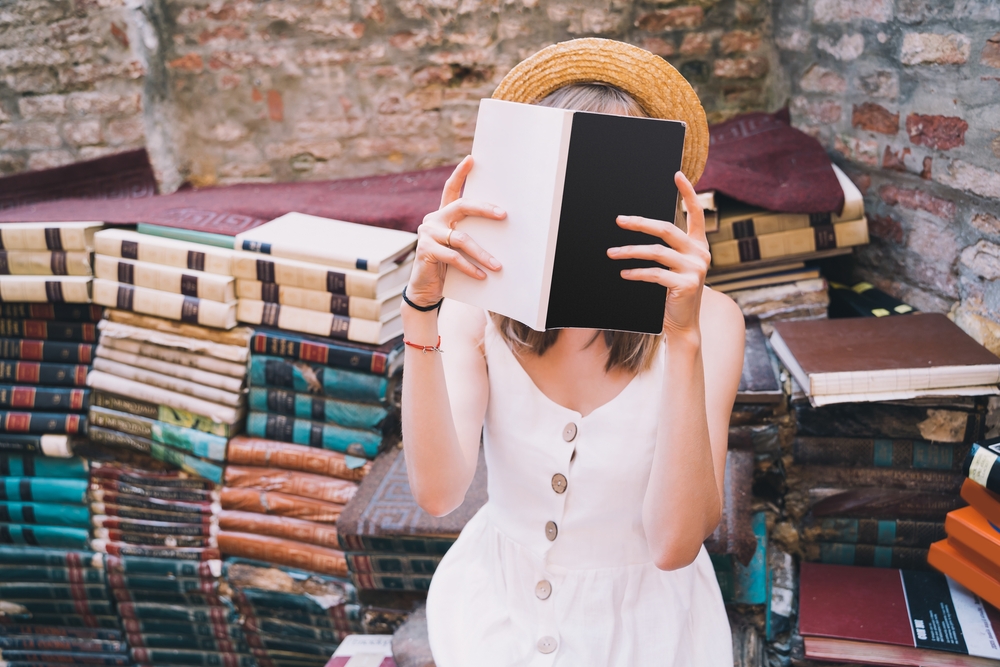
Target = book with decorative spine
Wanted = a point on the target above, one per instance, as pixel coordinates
(50, 263)
(188, 309)
(158, 396)
(48, 235)
(201, 284)
(981, 464)
(879, 452)
(164, 413)
(252, 266)
(267, 371)
(171, 356)
(44, 373)
(193, 441)
(355, 442)
(324, 302)
(384, 359)
(42, 423)
(45, 289)
(41, 350)
(44, 445)
(790, 243)
(45, 398)
(159, 250)
(83, 332)
(317, 323)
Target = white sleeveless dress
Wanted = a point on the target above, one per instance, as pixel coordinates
(554, 570)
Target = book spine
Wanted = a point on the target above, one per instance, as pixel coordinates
(66, 312)
(260, 452)
(32, 591)
(45, 398)
(982, 467)
(880, 420)
(115, 549)
(159, 492)
(392, 564)
(428, 545)
(82, 332)
(156, 250)
(33, 372)
(315, 434)
(42, 289)
(284, 552)
(151, 329)
(65, 632)
(53, 263)
(35, 489)
(142, 514)
(197, 658)
(306, 276)
(153, 540)
(40, 658)
(144, 611)
(365, 416)
(187, 642)
(161, 597)
(17, 465)
(54, 575)
(61, 644)
(62, 537)
(867, 555)
(188, 309)
(186, 373)
(311, 620)
(312, 322)
(190, 440)
(878, 453)
(314, 300)
(83, 621)
(262, 600)
(791, 242)
(162, 413)
(112, 470)
(46, 514)
(186, 463)
(293, 630)
(48, 351)
(189, 235)
(168, 382)
(327, 354)
(299, 646)
(279, 504)
(153, 527)
(133, 626)
(308, 378)
(317, 487)
(176, 357)
(310, 532)
(900, 532)
(391, 582)
(130, 500)
(886, 503)
(157, 396)
(43, 445)
(50, 557)
(163, 567)
(935, 481)
(166, 279)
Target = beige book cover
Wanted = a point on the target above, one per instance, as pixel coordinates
(238, 339)
(317, 323)
(44, 263)
(48, 235)
(224, 382)
(205, 361)
(141, 391)
(45, 289)
(338, 304)
(790, 243)
(170, 382)
(347, 245)
(252, 266)
(188, 282)
(187, 309)
(160, 250)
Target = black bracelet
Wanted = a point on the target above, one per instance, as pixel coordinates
(422, 309)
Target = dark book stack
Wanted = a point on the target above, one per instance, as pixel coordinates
(57, 609)
(292, 616)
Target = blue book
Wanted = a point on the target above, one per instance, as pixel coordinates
(19, 465)
(45, 514)
(64, 537)
(44, 490)
(315, 379)
(309, 406)
(314, 434)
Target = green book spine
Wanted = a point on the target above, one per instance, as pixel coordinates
(163, 567)
(152, 656)
(76, 621)
(190, 440)
(40, 489)
(188, 642)
(374, 563)
(42, 423)
(311, 378)
(315, 434)
(189, 235)
(166, 584)
(55, 575)
(65, 537)
(46, 514)
(394, 582)
(146, 611)
(89, 607)
(62, 644)
(346, 619)
(166, 597)
(17, 465)
(261, 599)
(63, 632)
(16, 658)
(365, 416)
(49, 557)
(430, 546)
(186, 463)
(868, 555)
(32, 591)
(187, 629)
(161, 413)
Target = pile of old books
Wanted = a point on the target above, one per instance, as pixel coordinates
(56, 608)
(761, 258)
(46, 262)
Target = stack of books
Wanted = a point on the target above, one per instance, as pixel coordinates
(971, 552)
(57, 609)
(46, 262)
(323, 277)
(44, 501)
(281, 503)
(292, 616)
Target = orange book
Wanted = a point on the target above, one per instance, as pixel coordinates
(982, 562)
(945, 558)
(985, 501)
(973, 530)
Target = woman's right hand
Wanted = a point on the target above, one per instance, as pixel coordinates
(438, 242)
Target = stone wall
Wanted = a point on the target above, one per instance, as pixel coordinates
(70, 86)
(905, 94)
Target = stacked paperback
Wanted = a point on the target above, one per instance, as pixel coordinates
(323, 277)
(46, 262)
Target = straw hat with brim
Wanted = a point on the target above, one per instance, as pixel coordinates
(660, 90)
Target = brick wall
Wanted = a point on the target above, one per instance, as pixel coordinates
(70, 88)
(906, 95)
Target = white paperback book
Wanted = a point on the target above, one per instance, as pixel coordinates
(563, 177)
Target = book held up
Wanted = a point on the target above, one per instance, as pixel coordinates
(564, 177)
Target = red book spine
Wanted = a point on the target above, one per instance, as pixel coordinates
(22, 397)
(32, 349)
(27, 371)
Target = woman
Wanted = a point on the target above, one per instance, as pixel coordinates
(605, 450)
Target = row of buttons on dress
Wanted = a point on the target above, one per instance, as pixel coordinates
(543, 589)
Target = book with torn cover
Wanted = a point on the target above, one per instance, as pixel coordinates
(310, 238)
(563, 177)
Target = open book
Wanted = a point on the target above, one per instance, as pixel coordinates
(563, 177)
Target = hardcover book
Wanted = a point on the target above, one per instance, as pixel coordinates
(198, 284)
(870, 359)
(354, 442)
(976, 539)
(54, 263)
(317, 323)
(310, 238)
(324, 302)
(985, 501)
(40, 350)
(347, 282)
(864, 300)
(233, 338)
(981, 465)
(791, 243)
(758, 382)
(894, 617)
(563, 177)
(158, 250)
(868, 555)
(879, 453)
(979, 575)
(183, 371)
(48, 235)
(260, 452)
(960, 420)
(383, 359)
(284, 552)
(45, 289)
(188, 309)
(67, 312)
(202, 362)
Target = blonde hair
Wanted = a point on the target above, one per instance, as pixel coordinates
(632, 352)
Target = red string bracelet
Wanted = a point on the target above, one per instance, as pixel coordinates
(425, 348)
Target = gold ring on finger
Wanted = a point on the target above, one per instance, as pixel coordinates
(447, 240)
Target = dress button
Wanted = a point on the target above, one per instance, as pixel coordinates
(569, 432)
(558, 483)
(547, 644)
(551, 530)
(543, 590)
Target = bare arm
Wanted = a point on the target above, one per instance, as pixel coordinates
(444, 394)
(683, 500)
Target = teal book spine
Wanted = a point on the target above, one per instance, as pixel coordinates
(261, 599)
(289, 629)
(66, 537)
(167, 584)
(77, 621)
(162, 567)
(147, 611)
(161, 413)
(55, 575)
(185, 628)
(89, 607)
(365, 416)
(376, 563)
(63, 632)
(45, 514)
(190, 440)
(27, 397)
(315, 379)
(188, 642)
(32, 591)
(882, 532)
(40, 489)
(49, 557)
(18, 465)
(163, 597)
(869, 555)
(187, 463)
(61, 644)
(315, 434)
(190, 235)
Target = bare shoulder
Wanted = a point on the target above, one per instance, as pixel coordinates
(721, 319)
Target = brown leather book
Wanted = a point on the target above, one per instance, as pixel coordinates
(280, 504)
(300, 530)
(283, 552)
(317, 487)
(960, 420)
(758, 383)
(886, 503)
(245, 450)
(734, 534)
(383, 516)
(931, 481)
(882, 358)
(879, 452)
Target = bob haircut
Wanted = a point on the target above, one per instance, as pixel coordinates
(632, 352)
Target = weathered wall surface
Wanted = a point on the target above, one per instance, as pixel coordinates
(906, 95)
(70, 87)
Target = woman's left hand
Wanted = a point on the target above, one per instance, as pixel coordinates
(684, 260)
